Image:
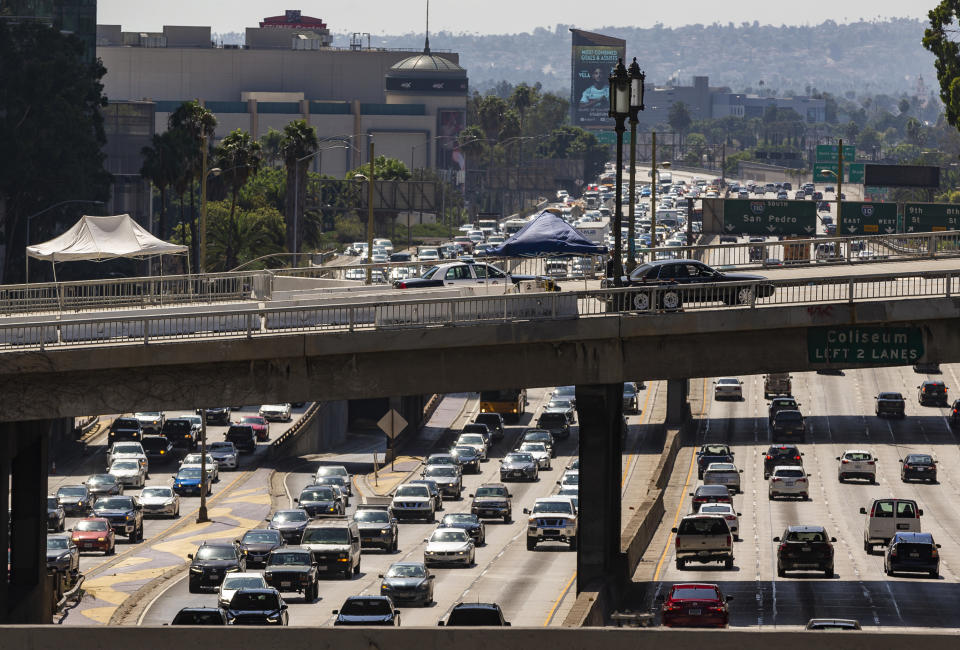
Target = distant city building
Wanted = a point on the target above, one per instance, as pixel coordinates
(412, 104)
(78, 17)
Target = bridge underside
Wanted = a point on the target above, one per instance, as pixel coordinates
(334, 366)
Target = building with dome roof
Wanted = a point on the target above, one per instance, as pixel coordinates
(411, 102)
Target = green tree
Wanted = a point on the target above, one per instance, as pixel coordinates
(904, 106)
(299, 141)
(384, 169)
(550, 112)
(270, 144)
(194, 126)
(239, 157)
(940, 39)
(574, 142)
(51, 136)
(238, 236)
(696, 145)
(161, 161)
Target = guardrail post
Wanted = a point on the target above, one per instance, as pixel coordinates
(949, 284)
(932, 244)
(249, 326)
(850, 290)
(553, 307)
(146, 331)
(350, 317)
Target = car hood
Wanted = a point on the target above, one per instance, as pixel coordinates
(287, 525)
(222, 454)
(412, 499)
(446, 547)
(260, 547)
(244, 613)
(356, 619)
(154, 501)
(373, 525)
(111, 512)
(564, 411)
(319, 504)
(523, 465)
(287, 568)
(124, 472)
(54, 553)
(90, 534)
(333, 548)
(552, 515)
(406, 583)
(214, 564)
(490, 500)
(186, 481)
(443, 480)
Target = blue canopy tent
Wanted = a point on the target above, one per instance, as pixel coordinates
(547, 234)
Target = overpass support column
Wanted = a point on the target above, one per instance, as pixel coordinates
(678, 407)
(600, 414)
(25, 597)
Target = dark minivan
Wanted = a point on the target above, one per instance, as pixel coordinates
(157, 448)
(494, 422)
(125, 429)
(242, 436)
(913, 553)
(555, 423)
(179, 431)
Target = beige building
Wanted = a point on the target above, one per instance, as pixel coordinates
(411, 104)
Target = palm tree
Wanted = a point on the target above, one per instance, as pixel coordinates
(160, 160)
(243, 236)
(239, 156)
(196, 126)
(299, 141)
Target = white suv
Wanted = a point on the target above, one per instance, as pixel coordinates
(789, 480)
(857, 463)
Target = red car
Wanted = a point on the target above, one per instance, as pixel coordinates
(260, 426)
(94, 534)
(695, 605)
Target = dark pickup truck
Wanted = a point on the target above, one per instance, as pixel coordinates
(468, 274)
(805, 548)
(712, 454)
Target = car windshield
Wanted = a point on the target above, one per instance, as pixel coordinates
(467, 452)
(412, 491)
(57, 542)
(326, 536)
(252, 419)
(460, 518)
(721, 467)
(558, 507)
(127, 449)
(332, 470)
(261, 537)
(558, 404)
(440, 460)
(101, 479)
(367, 607)
(291, 515)
(695, 593)
(805, 536)
(72, 491)
(52, 503)
(491, 492)
(289, 558)
(790, 473)
(715, 509)
(856, 455)
(220, 446)
(257, 601)
(703, 526)
(406, 571)
(216, 553)
(189, 472)
(920, 459)
(244, 582)
(441, 470)
(533, 446)
(785, 404)
(471, 439)
(728, 381)
(111, 503)
(449, 536)
(372, 516)
(92, 525)
(317, 494)
(518, 458)
(570, 479)
(156, 492)
(715, 450)
(125, 465)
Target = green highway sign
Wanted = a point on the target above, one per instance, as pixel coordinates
(852, 172)
(931, 217)
(606, 137)
(746, 217)
(828, 152)
(861, 218)
(865, 345)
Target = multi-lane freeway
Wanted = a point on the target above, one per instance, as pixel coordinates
(839, 413)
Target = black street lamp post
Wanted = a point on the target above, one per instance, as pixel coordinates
(619, 111)
(637, 79)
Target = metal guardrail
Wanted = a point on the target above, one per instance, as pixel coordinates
(126, 293)
(147, 328)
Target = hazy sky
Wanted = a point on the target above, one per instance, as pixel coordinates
(494, 16)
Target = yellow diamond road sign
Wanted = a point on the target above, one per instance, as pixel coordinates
(392, 423)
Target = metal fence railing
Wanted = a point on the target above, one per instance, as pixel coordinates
(251, 321)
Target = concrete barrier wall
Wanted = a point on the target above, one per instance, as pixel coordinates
(327, 428)
(52, 637)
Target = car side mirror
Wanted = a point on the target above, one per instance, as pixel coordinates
(838, 458)
(863, 511)
(739, 514)
(776, 539)
(673, 530)
(938, 546)
(690, 494)
(380, 575)
(526, 511)
(901, 460)
(425, 539)
(920, 512)
(741, 471)
(729, 598)
(173, 476)
(470, 495)
(283, 607)
(296, 500)
(335, 611)
(439, 623)
(189, 556)
(808, 475)
(509, 496)
(833, 540)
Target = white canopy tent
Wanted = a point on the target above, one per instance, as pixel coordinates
(102, 238)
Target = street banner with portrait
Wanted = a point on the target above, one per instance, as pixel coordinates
(594, 56)
(450, 122)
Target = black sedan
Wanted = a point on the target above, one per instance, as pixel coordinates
(258, 607)
(918, 467)
(210, 564)
(891, 404)
(467, 457)
(367, 611)
(467, 522)
(104, 485)
(290, 523)
(256, 545)
(408, 582)
(518, 465)
(669, 276)
(56, 517)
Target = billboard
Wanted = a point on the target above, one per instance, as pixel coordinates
(450, 122)
(593, 58)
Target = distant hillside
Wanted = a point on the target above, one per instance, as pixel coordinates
(864, 57)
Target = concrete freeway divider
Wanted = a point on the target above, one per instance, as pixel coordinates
(53, 637)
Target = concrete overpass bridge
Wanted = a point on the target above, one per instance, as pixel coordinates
(63, 365)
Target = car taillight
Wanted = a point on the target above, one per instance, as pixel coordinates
(729, 540)
(774, 479)
(801, 480)
(730, 518)
(769, 457)
(678, 542)
(844, 462)
(893, 552)
(401, 285)
(796, 458)
(870, 462)
(907, 466)
(934, 552)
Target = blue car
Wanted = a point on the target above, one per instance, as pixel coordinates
(187, 481)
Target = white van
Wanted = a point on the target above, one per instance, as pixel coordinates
(886, 517)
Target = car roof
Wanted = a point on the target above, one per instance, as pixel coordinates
(713, 488)
(772, 447)
(857, 451)
(915, 538)
(492, 606)
(496, 485)
(806, 529)
(792, 468)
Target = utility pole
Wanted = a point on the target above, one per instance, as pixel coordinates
(839, 187)
(370, 217)
(653, 195)
(202, 511)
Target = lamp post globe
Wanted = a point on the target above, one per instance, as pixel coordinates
(637, 79)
